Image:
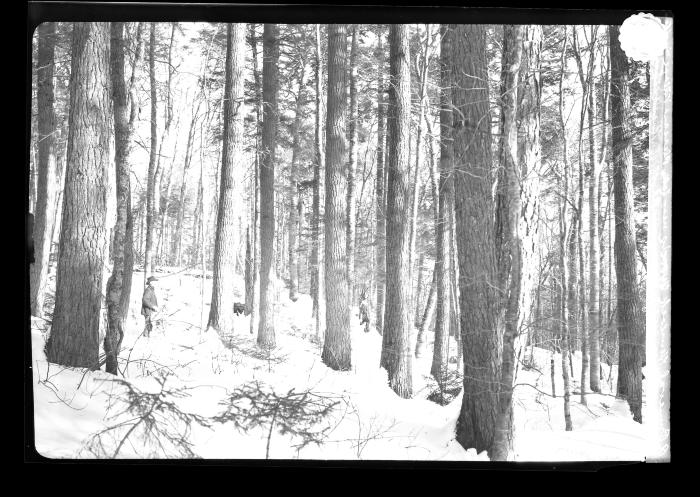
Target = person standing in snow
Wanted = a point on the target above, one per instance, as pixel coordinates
(364, 310)
(149, 304)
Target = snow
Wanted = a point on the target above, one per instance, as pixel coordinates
(198, 371)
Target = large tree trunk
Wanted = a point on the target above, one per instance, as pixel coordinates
(629, 319)
(510, 240)
(336, 347)
(442, 261)
(396, 355)
(266, 326)
(352, 167)
(45, 167)
(221, 310)
(380, 235)
(74, 338)
(293, 225)
(480, 314)
(315, 262)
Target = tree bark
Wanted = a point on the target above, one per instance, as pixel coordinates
(396, 355)
(352, 167)
(629, 319)
(266, 326)
(152, 186)
(45, 167)
(74, 337)
(318, 167)
(336, 348)
(442, 262)
(510, 248)
(221, 310)
(117, 290)
(380, 235)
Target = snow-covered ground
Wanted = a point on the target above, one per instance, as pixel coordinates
(187, 392)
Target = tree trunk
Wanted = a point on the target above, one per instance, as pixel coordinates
(336, 348)
(531, 170)
(221, 310)
(74, 338)
(593, 236)
(396, 355)
(352, 167)
(442, 261)
(119, 283)
(629, 319)
(510, 242)
(293, 225)
(151, 189)
(380, 235)
(480, 315)
(266, 326)
(45, 167)
(315, 261)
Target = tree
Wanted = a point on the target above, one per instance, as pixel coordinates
(336, 347)
(221, 310)
(396, 355)
(74, 337)
(508, 235)
(629, 382)
(480, 310)
(380, 235)
(442, 262)
(45, 166)
(293, 227)
(152, 197)
(266, 326)
(119, 284)
(352, 166)
(318, 167)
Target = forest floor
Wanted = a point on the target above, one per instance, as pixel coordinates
(188, 393)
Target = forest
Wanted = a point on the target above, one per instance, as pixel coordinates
(340, 241)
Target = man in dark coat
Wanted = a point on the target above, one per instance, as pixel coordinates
(364, 311)
(149, 303)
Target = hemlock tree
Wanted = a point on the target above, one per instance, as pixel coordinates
(396, 355)
(45, 165)
(336, 347)
(266, 326)
(318, 167)
(221, 310)
(480, 310)
(74, 338)
(629, 319)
